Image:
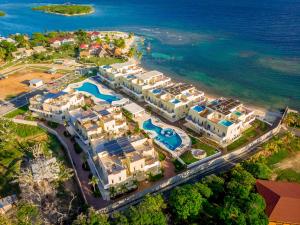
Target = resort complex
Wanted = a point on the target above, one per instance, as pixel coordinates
(122, 139)
(223, 120)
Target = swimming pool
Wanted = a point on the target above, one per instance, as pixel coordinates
(94, 90)
(225, 123)
(168, 137)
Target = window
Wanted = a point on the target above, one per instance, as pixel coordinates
(120, 178)
(112, 181)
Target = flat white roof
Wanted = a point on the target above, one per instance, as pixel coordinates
(148, 75)
(133, 108)
(121, 65)
(35, 81)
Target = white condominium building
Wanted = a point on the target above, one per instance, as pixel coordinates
(55, 106)
(111, 74)
(93, 126)
(222, 120)
(137, 85)
(174, 101)
(126, 159)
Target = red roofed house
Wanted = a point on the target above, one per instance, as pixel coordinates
(283, 201)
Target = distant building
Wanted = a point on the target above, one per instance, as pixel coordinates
(34, 83)
(39, 49)
(6, 203)
(22, 53)
(58, 41)
(282, 200)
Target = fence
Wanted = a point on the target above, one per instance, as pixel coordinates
(51, 131)
(193, 172)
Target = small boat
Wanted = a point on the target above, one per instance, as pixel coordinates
(148, 47)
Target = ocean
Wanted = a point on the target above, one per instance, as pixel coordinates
(248, 50)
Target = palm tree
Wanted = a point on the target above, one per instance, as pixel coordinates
(94, 181)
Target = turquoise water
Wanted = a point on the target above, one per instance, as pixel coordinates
(167, 137)
(199, 108)
(94, 90)
(244, 49)
(225, 123)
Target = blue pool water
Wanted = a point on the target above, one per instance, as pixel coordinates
(93, 90)
(199, 108)
(219, 46)
(225, 123)
(170, 139)
(175, 101)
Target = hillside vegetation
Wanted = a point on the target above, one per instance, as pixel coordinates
(69, 10)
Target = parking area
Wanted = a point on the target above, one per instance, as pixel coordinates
(18, 82)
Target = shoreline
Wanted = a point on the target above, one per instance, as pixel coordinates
(68, 15)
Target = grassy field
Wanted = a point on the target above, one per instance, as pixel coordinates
(188, 157)
(65, 9)
(197, 144)
(20, 111)
(15, 146)
(257, 129)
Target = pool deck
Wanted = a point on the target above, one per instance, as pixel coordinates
(101, 88)
(186, 141)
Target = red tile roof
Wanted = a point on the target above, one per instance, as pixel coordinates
(282, 199)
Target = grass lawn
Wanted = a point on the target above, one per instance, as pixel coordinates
(258, 128)
(188, 157)
(288, 175)
(20, 111)
(12, 153)
(277, 157)
(178, 166)
(197, 144)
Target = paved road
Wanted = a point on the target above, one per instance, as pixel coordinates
(58, 84)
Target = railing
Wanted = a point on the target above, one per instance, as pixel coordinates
(191, 172)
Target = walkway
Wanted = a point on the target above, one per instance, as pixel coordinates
(83, 175)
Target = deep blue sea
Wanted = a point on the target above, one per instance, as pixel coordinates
(245, 49)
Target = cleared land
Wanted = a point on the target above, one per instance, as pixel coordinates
(17, 83)
(68, 10)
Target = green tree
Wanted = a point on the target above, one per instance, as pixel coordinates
(119, 219)
(120, 43)
(186, 202)
(94, 181)
(254, 210)
(27, 214)
(22, 41)
(9, 49)
(4, 220)
(91, 218)
(231, 214)
(148, 212)
(216, 184)
(258, 169)
(82, 37)
(39, 39)
(204, 190)
(131, 52)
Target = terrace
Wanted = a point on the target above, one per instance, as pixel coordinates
(222, 120)
(174, 101)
